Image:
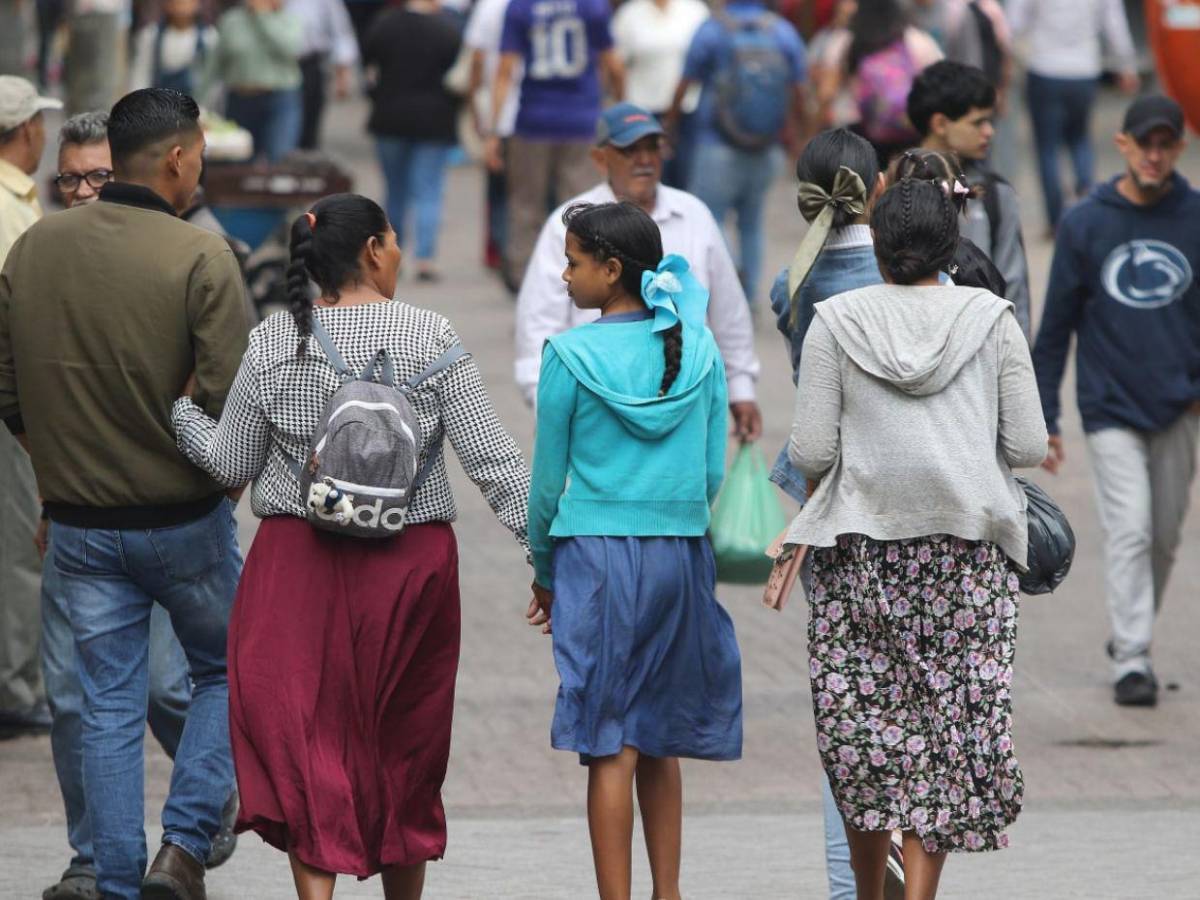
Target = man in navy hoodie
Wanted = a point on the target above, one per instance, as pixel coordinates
(1123, 281)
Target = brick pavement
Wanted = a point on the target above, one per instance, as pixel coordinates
(1110, 792)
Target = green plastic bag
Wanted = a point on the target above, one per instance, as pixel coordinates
(748, 516)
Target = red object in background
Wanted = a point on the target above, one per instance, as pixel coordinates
(808, 16)
(1174, 27)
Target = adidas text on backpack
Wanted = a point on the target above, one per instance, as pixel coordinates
(753, 84)
(361, 472)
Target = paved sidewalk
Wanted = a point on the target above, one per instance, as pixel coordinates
(1088, 854)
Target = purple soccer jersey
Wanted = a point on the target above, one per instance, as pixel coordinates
(561, 41)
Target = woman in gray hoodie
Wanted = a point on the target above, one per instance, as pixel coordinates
(915, 402)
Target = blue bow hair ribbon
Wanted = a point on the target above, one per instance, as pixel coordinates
(673, 294)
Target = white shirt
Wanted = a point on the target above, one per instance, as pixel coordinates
(1064, 36)
(652, 41)
(178, 52)
(327, 29)
(688, 228)
(483, 31)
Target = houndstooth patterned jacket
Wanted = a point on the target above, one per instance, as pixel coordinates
(277, 397)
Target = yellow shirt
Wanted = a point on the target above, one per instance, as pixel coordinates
(19, 207)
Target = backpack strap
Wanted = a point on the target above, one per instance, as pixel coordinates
(383, 361)
(331, 351)
(443, 362)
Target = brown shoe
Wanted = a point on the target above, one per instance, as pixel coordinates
(174, 875)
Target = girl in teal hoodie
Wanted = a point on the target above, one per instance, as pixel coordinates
(629, 455)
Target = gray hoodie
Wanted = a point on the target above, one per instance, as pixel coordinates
(913, 406)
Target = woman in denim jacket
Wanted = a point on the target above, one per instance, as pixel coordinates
(839, 177)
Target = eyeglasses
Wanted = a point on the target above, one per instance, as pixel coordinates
(70, 181)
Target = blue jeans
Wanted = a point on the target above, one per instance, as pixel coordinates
(273, 118)
(1061, 110)
(170, 693)
(110, 581)
(414, 172)
(726, 179)
(837, 850)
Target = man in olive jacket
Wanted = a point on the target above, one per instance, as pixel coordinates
(105, 311)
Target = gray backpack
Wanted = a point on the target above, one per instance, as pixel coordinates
(361, 473)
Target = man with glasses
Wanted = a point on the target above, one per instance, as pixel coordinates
(84, 161)
(1123, 281)
(22, 699)
(629, 151)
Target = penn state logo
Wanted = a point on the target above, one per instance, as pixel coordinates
(1146, 274)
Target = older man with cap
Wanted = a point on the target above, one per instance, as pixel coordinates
(1123, 281)
(629, 153)
(22, 700)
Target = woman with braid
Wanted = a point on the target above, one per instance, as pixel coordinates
(342, 651)
(630, 452)
(915, 401)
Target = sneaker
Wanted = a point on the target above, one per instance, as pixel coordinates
(225, 841)
(1136, 689)
(893, 878)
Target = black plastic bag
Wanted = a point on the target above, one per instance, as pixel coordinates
(1051, 542)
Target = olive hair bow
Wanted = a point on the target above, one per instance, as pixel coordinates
(819, 207)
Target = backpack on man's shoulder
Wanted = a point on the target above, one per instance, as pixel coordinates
(881, 86)
(361, 473)
(754, 82)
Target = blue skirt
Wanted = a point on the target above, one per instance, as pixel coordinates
(646, 656)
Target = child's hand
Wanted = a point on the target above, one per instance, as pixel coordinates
(539, 607)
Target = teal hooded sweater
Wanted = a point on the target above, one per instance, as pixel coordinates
(612, 457)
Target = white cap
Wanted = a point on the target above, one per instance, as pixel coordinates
(19, 102)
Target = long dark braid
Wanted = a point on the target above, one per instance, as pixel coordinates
(299, 289)
(672, 355)
(622, 231)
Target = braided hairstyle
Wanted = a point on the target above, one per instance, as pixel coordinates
(915, 224)
(623, 231)
(930, 165)
(325, 245)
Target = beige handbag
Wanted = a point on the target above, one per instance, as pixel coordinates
(789, 559)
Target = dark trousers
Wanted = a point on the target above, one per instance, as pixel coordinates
(1061, 110)
(362, 13)
(314, 75)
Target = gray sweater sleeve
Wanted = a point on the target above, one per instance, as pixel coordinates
(1022, 427)
(1008, 254)
(816, 428)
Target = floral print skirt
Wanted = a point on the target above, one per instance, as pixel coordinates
(911, 659)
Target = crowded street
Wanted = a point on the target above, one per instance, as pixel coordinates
(1112, 793)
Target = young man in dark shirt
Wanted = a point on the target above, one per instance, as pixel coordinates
(1123, 282)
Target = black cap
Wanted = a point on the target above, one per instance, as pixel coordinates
(1150, 112)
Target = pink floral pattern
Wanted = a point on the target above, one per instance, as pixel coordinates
(911, 660)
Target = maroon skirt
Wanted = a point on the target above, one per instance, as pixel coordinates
(342, 659)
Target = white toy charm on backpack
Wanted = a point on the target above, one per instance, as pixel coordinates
(329, 501)
(364, 462)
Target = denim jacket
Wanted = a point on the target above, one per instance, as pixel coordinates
(846, 263)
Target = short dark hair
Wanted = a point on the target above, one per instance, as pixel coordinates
(915, 226)
(143, 118)
(828, 152)
(949, 88)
